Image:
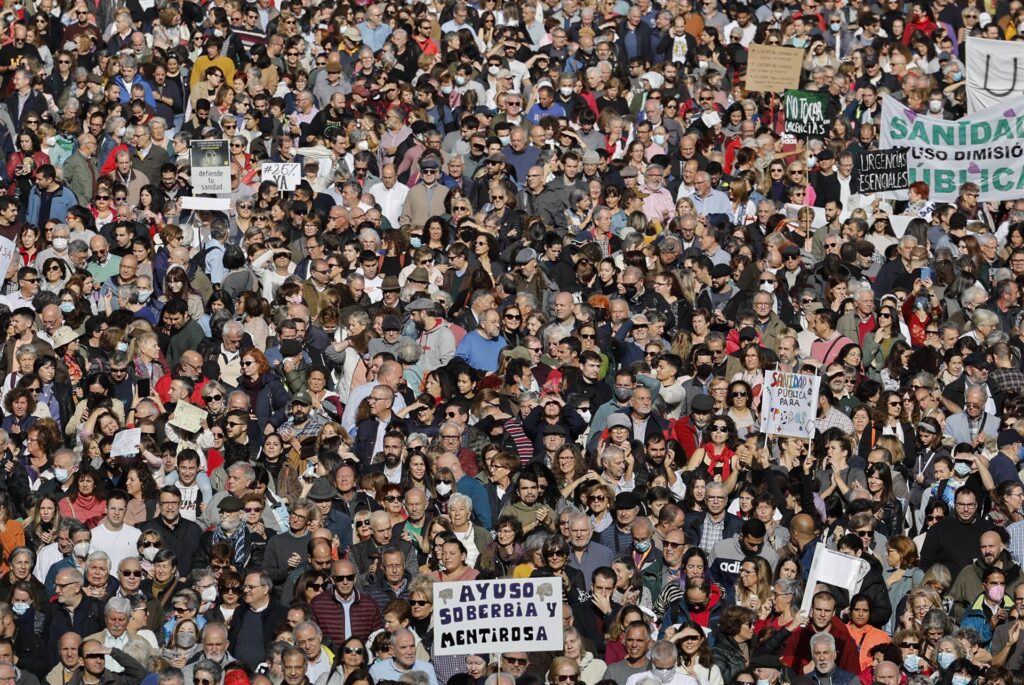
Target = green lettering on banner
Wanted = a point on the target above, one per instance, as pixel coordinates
(999, 184)
(981, 132)
(1003, 130)
(945, 180)
(898, 126)
(944, 135)
(919, 132)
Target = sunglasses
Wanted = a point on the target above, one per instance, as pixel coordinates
(348, 578)
(133, 573)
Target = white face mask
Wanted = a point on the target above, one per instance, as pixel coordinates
(460, 80)
(81, 549)
(664, 675)
(585, 413)
(766, 287)
(60, 244)
(363, 145)
(493, 70)
(566, 91)
(702, 64)
(145, 295)
(209, 594)
(149, 553)
(935, 106)
(443, 489)
(120, 132)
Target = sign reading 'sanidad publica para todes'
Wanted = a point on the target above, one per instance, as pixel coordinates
(986, 148)
(506, 615)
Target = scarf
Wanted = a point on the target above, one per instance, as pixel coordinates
(236, 541)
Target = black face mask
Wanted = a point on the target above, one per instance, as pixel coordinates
(704, 370)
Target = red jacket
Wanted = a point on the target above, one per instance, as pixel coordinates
(329, 615)
(796, 652)
(686, 434)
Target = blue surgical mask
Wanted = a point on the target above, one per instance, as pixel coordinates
(61, 475)
(961, 679)
(67, 307)
(642, 545)
(911, 663)
(945, 659)
(19, 608)
(835, 26)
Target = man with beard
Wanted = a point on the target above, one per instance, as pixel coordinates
(200, 119)
(185, 334)
(642, 421)
(992, 552)
(286, 550)
(302, 422)
(393, 453)
(435, 337)
(331, 118)
(231, 531)
(215, 648)
(527, 508)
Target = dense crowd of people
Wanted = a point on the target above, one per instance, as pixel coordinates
(512, 320)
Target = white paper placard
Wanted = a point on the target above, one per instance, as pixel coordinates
(188, 417)
(286, 175)
(214, 204)
(126, 443)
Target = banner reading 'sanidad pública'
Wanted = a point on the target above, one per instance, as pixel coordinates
(986, 148)
(507, 615)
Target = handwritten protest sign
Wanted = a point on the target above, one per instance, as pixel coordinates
(836, 569)
(789, 404)
(126, 443)
(285, 174)
(879, 171)
(806, 113)
(188, 417)
(211, 166)
(509, 615)
(773, 68)
(7, 249)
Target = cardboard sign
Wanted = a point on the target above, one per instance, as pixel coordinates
(507, 615)
(188, 417)
(806, 113)
(878, 171)
(286, 175)
(789, 404)
(773, 68)
(126, 443)
(211, 166)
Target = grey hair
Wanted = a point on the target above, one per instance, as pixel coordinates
(98, 556)
(245, 469)
(138, 649)
(212, 667)
(414, 678)
(983, 317)
(663, 649)
(791, 586)
(408, 352)
(118, 605)
(825, 639)
(459, 498)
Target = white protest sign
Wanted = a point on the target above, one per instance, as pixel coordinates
(789, 404)
(286, 175)
(834, 568)
(507, 615)
(792, 210)
(211, 166)
(899, 223)
(995, 72)
(986, 148)
(7, 250)
(188, 417)
(126, 443)
(213, 204)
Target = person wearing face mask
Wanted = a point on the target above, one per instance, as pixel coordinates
(662, 669)
(990, 608)
(81, 542)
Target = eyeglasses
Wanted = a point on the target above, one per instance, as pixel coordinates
(515, 660)
(719, 429)
(132, 573)
(353, 650)
(420, 602)
(154, 543)
(253, 510)
(392, 498)
(234, 589)
(597, 498)
(214, 398)
(347, 578)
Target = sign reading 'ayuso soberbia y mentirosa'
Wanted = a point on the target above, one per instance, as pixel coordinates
(508, 615)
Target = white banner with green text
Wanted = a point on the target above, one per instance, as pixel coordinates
(986, 147)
